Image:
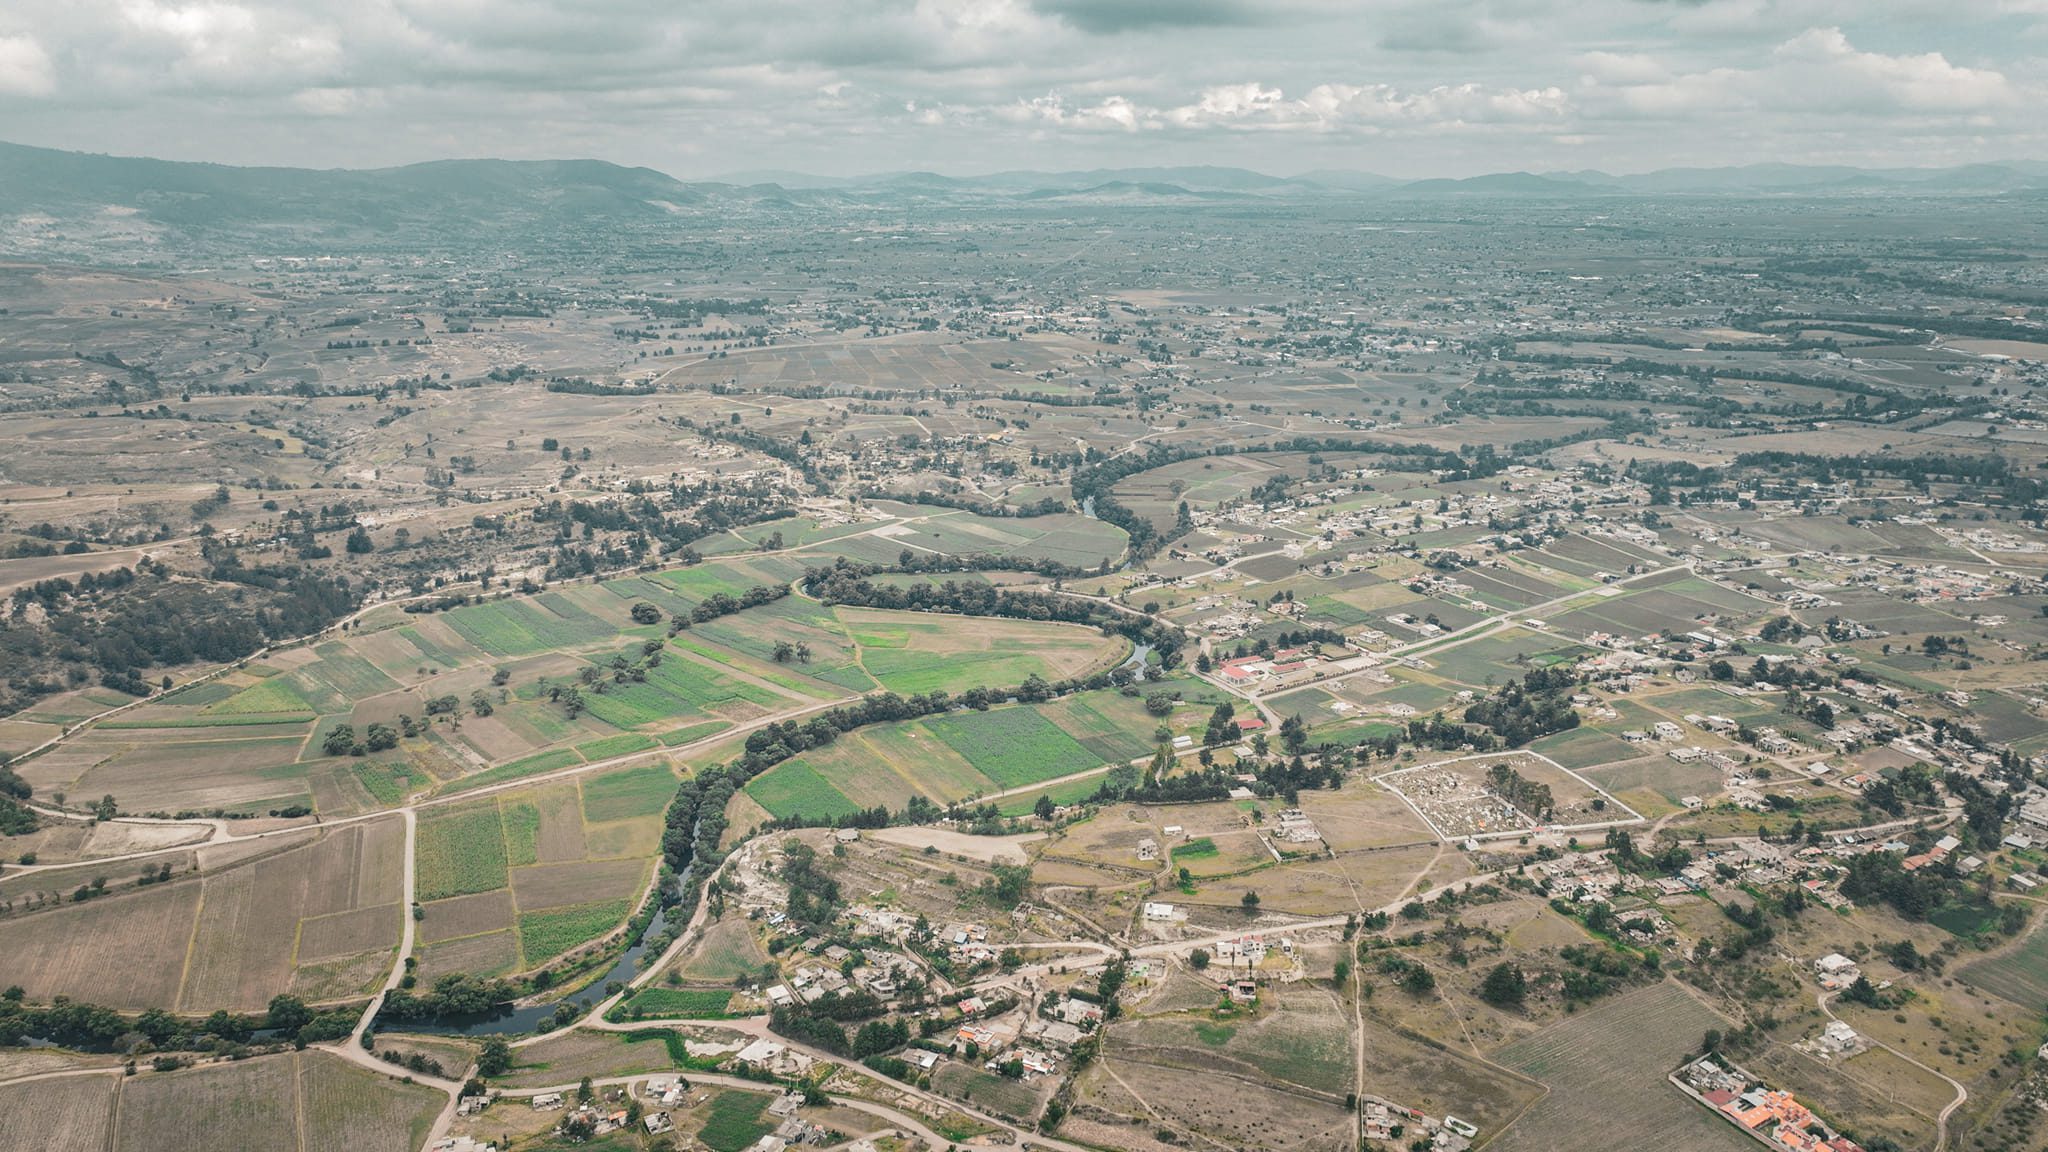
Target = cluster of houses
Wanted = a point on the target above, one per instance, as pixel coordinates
(1771, 1115)
(814, 980)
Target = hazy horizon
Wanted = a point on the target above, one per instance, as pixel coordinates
(1402, 89)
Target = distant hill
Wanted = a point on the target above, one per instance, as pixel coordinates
(1515, 185)
(59, 199)
(444, 197)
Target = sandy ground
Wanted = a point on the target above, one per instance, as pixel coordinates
(987, 849)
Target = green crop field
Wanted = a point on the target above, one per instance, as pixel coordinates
(911, 671)
(517, 770)
(389, 783)
(2020, 975)
(522, 833)
(626, 793)
(209, 720)
(911, 748)
(1087, 716)
(495, 627)
(620, 745)
(543, 935)
(701, 686)
(692, 732)
(1013, 746)
(703, 582)
(433, 653)
(461, 853)
(211, 692)
(735, 1121)
(679, 1004)
(718, 655)
(1072, 792)
(273, 695)
(350, 674)
(631, 705)
(794, 788)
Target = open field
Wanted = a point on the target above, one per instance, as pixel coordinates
(1013, 746)
(308, 1100)
(953, 756)
(71, 1114)
(1302, 1038)
(1606, 1070)
(2020, 975)
(316, 919)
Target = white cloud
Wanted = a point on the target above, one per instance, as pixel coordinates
(1828, 71)
(25, 67)
(1252, 107)
(1815, 74)
(1437, 85)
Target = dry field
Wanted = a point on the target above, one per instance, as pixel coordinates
(64, 1114)
(307, 1100)
(232, 937)
(1363, 815)
(1207, 1106)
(1606, 1070)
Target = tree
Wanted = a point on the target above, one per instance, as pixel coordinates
(359, 542)
(1159, 704)
(645, 613)
(1009, 884)
(495, 1058)
(1250, 903)
(288, 1014)
(1045, 807)
(339, 740)
(784, 652)
(1418, 981)
(1504, 986)
(106, 809)
(1222, 725)
(1199, 958)
(1294, 735)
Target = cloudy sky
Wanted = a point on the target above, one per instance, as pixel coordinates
(704, 87)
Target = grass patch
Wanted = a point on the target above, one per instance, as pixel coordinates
(692, 732)
(735, 1121)
(620, 745)
(1195, 849)
(794, 788)
(1071, 792)
(517, 769)
(522, 833)
(543, 935)
(461, 854)
(627, 793)
(1013, 746)
(1965, 920)
(273, 695)
(679, 1004)
(209, 720)
(388, 783)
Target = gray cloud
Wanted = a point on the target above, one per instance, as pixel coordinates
(1112, 16)
(1444, 87)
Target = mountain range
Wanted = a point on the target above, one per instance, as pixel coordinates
(72, 194)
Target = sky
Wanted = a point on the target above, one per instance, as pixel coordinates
(702, 88)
